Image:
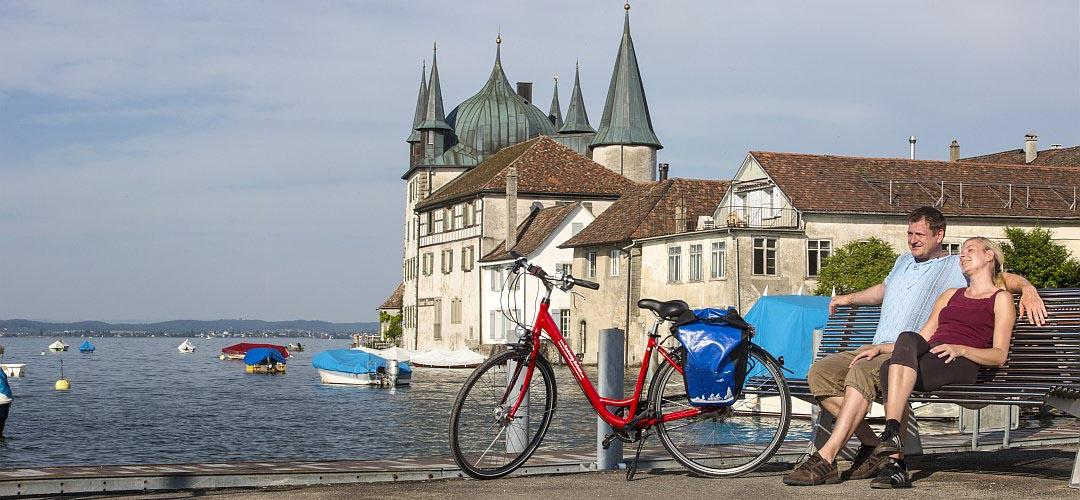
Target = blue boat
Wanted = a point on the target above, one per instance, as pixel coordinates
(264, 360)
(86, 347)
(356, 367)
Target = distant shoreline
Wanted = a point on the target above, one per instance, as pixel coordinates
(224, 328)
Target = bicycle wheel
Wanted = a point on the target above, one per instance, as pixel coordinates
(725, 441)
(485, 443)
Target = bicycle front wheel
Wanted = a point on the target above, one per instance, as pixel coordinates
(731, 440)
(486, 441)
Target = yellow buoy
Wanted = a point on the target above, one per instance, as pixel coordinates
(63, 384)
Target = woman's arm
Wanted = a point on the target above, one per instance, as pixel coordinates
(1004, 319)
(1030, 302)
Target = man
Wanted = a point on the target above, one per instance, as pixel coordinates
(845, 388)
(5, 401)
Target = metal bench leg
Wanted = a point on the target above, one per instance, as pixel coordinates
(1074, 481)
(912, 441)
(823, 426)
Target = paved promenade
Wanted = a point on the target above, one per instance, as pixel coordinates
(1006, 474)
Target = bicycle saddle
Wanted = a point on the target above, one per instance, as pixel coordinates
(668, 310)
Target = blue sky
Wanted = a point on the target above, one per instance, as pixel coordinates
(205, 160)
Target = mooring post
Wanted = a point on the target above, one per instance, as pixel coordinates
(610, 372)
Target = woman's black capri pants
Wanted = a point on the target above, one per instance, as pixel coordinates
(911, 350)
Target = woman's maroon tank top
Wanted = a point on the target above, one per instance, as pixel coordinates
(966, 321)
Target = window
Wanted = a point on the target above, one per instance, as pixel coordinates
(695, 262)
(455, 311)
(564, 321)
(468, 214)
(765, 256)
(468, 258)
(614, 258)
(565, 268)
(674, 264)
(816, 252)
(429, 263)
(447, 264)
(437, 226)
(719, 260)
(576, 228)
(424, 220)
(496, 280)
(459, 216)
(436, 332)
(952, 248)
(590, 265)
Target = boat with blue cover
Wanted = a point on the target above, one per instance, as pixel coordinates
(358, 367)
(87, 347)
(264, 360)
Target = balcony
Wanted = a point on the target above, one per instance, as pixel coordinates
(758, 218)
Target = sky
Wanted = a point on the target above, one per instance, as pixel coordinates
(203, 160)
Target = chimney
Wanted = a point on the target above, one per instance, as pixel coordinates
(664, 171)
(524, 89)
(911, 140)
(954, 151)
(511, 207)
(1031, 148)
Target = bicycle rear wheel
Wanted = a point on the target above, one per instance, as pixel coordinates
(726, 441)
(486, 444)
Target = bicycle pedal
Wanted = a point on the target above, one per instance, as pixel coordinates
(608, 440)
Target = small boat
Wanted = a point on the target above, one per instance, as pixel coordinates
(461, 358)
(359, 367)
(297, 347)
(58, 346)
(264, 360)
(13, 369)
(187, 346)
(237, 351)
(87, 347)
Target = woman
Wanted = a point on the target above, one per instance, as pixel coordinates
(968, 328)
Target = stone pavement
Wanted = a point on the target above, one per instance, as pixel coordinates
(1005, 474)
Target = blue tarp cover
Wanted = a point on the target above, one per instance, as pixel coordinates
(5, 389)
(354, 361)
(785, 327)
(86, 346)
(260, 355)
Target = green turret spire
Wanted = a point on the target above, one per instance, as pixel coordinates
(555, 112)
(421, 100)
(626, 119)
(577, 118)
(434, 117)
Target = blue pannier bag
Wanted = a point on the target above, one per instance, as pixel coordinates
(714, 366)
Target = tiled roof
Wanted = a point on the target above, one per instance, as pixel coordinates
(532, 232)
(1069, 157)
(824, 183)
(394, 301)
(649, 210)
(544, 167)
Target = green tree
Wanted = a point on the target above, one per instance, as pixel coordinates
(1034, 255)
(393, 329)
(856, 266)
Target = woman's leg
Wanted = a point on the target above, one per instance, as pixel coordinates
(899, 375)
(934, 372)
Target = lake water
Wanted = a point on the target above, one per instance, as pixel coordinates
(139, 400)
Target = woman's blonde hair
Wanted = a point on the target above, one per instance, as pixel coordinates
(999, 258)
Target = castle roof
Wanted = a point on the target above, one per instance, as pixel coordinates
(545, 168)
(626, 119)
(421, 103)
(577, 118)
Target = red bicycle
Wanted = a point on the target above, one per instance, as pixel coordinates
(505, 408)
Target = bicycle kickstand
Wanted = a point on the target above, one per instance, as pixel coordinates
(631, 468)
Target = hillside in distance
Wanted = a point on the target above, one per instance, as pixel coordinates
(187, 327)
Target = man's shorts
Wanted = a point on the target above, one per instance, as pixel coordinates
(830, 376)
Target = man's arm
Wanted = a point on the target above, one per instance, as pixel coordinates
(1030, 302)
(870, 297)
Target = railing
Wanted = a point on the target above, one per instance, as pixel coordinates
(757, 217)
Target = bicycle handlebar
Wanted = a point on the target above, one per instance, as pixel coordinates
(568, 281)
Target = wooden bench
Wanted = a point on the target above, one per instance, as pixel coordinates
(1043, 367)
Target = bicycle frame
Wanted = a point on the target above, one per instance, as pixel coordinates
(545, 324)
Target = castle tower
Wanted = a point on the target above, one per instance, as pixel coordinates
(555, 111)
(576, 133)
(416, 149)
(435, 133)
(625, 141)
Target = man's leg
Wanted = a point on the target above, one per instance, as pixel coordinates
(849, 417)
(863, 431)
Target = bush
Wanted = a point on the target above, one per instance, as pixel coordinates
(393, 331)
(856, 266)
(1034, 255)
